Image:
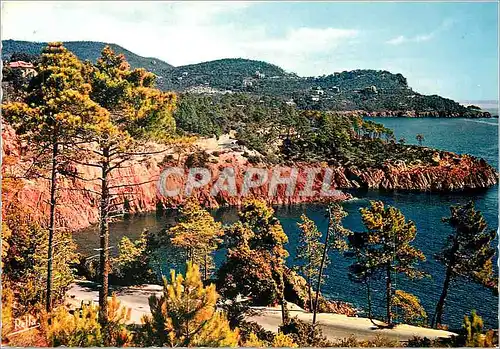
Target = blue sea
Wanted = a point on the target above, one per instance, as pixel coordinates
(478, 137)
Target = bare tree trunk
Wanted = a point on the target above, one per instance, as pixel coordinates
(369, 299)
(284, 313)
(205, 271)
(320, 274)
(53, 190)
(309, 291)
(438, 315)
(104, 240)
(389, 296)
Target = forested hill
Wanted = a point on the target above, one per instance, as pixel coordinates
(378, 92)
(84, 50)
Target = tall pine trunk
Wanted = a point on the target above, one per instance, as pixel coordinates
(309, 291)
(369, 299)
(438, 315)
(284, 312)
(205, 270)
(389, 296)
(52, 219)
(104, 240)
(320, 274)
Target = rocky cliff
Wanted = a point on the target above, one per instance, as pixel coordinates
(139, 183)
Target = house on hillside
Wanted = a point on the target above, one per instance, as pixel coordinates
(318, 91)
(27, 69)
(247, 82)
(259, 75)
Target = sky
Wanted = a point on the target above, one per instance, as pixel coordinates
(444, 48)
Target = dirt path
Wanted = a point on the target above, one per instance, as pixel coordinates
(334, 326)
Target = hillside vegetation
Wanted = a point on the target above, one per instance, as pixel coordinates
(86, 50)
(381, 93)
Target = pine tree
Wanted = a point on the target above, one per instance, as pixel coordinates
(257, 236)
(198, 234)
(410, 309)
(385, 249)
(474, 333)
(309, 254)
(186, 315)
(82, 328)
(335, 238)
(137, 113)
(468, 252)
(56, 108)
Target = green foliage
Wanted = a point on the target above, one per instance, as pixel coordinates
(252, 332)
(282, 340)
(304, 334)
(186, 315)
(132, 265)
(309, 253)
(25, 260)
(368, 90)
(197, 234)
(255, 258)
(377, 341)
(474, 333)
(85, 50)
(197, 159)
(198, 114)
(136, 107)
(385, 248)
(408, 308)
(81, 328)
(468, 252)
(248, 272)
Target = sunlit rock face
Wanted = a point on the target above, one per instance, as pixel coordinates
(138, 189)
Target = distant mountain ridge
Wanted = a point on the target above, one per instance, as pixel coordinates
(380, 92)
(86, 50)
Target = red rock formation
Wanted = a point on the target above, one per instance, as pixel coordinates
(78, 205)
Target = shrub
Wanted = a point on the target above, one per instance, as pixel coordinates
(197, 159)
(475, 336)
(408, 308)
(80, 328)
(249, 328)
(282, 340)
(304, 333)
(186, 315)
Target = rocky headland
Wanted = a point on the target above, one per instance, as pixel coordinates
(447, 172)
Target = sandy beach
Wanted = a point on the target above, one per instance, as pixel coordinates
(334, 326)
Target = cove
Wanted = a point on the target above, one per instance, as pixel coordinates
(475, 137)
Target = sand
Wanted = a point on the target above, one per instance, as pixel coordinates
(334, 326)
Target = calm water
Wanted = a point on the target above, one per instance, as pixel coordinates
(476, 137)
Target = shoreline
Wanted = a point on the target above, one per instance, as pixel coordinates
(450, 172)
(334, 326)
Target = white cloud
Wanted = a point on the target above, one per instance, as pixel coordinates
(397, 40)
(401, 39)
(177, 32)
